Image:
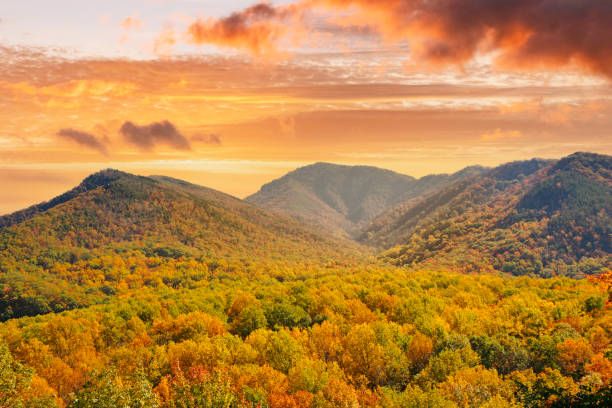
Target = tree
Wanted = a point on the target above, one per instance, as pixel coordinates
(311, 375)
(475, 386)
(326, 341)
(286, 315)
(543, 389)
(573, 355)
(414, 397)
(447, 363)
(363, 356)
(107, 390)
(419, 350)
(16, 389)
(197, 388)
(250, 319)
(601, 365)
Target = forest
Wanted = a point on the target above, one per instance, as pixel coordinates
(313, 336)
(150, 292)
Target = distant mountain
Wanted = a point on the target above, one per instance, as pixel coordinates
(467, 189)
(117, 232)
(344, 199)
(112, 213)
(532, 217)
(90, 183)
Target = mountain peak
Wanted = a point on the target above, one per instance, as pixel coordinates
(104, 178)
(540, 217)
(334, 196)
(342, 198)
(99, 179)
(585, 162)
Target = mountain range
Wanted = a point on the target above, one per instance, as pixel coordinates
(536, 217)
(53, 256)
(345, 199)
(332, 281)
(542, 217)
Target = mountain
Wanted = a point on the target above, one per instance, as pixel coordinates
(90, 183)
(53, 254)
(469, 188)
(117, 232)
(532, 217)
(183, 296)
(344, 199)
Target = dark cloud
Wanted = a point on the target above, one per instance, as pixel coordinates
(256, 28)
(526, 34)
(208, 138)
(84, 139)
(146, 137)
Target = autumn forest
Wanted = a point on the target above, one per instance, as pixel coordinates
(306, 204)
(132, 291)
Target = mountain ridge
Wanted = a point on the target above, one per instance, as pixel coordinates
(407, 216)
(343, 199)
(551, 218)
(91, 182)
(54, 259)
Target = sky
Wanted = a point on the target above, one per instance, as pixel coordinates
(233, 94)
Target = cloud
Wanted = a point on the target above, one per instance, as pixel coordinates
(527, 34)
(207, 138)
(163, 44)
(520, 34)
(529, 106)
(146, 137)
(128, 24)
(566, 114)
(557, 113)
(76, 89)
(84, 139)
(258, 28)
(499, 134)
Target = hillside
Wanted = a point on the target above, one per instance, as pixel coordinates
(395, 226)
(54, 257)
(90, 183)
(343, 199)
(183, 296)
(532, 217)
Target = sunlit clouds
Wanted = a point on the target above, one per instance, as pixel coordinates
(525, 34)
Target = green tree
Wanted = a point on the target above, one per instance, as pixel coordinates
(108, 390)
(250, 319)
(15, 384)
(199, 389)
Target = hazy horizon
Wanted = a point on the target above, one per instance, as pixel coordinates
(58, 185)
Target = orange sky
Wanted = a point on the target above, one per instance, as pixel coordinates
(232, 101)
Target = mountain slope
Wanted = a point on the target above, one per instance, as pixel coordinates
(60, 257)
(90, 183)
(342, 199)
(532, 217)
(465, 190)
